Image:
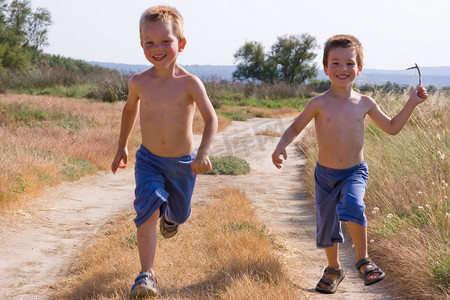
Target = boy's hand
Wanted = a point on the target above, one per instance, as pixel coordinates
(419, 94)
(201, 164)
(120, 161)
(277, 161)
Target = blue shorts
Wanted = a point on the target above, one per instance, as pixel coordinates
(339, 196)
(165, 183)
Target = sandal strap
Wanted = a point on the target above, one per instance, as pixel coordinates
(334, 271)
(363, 262)
(368, 272)
(326, 281)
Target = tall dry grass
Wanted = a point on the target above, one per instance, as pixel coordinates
(222, 252)
(407, 197)
(45, 140)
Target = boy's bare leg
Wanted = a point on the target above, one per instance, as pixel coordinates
(333, 262)
(359, 238)
(146, 237)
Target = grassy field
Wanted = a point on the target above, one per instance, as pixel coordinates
(407, 197)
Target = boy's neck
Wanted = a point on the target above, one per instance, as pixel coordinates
(341, 92)
(167, 72)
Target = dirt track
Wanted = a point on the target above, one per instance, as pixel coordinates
(38, 250)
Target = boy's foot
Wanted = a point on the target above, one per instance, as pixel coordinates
(369, 271)
(144, 286)
(168, 229)
(329, 284)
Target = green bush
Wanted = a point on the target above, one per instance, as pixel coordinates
(228, 165)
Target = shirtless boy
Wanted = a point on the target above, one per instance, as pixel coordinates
(166, 166)
(341, 174)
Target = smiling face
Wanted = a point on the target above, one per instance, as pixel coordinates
(160, 44)
(342, 66)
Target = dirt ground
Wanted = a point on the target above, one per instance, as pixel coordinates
(38, 249)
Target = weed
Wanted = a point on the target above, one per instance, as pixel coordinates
(228, 165)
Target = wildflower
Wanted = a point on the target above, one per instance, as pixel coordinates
(427, 206)
(375, 210)
(372, 241)
(419, 193)
(390, 216)
(420, 207)
(438, 136)
(432, 183)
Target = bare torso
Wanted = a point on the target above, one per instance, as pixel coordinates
(166, 114)
(340, 130)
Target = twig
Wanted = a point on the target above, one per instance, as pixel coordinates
(418, 70)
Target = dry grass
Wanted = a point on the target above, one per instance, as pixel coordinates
(46, 140)
(220, 253)
(407, 198)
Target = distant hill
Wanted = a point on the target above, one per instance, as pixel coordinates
(437, 76)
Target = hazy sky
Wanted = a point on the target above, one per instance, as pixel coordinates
(395, 33)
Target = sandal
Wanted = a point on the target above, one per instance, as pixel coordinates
(327, 281)
(364, 275)
(139, 291)
(167, 229)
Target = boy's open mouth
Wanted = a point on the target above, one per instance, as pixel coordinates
(159, 57)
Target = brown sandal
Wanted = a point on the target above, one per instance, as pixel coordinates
(327, 281)
(364, 275)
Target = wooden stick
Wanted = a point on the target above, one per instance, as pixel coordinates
(418, 70)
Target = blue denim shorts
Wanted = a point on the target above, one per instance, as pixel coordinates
(165, 183)
(339, 196)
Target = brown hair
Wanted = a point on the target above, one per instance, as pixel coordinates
(343, 41)
(163, 13)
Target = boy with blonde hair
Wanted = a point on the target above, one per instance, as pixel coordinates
(166, 166)
(341, 174)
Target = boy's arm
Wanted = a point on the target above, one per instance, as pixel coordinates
(201, 163)
(293, 131)
(129, 114)
(394, 125)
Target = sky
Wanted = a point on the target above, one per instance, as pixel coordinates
(395, 34)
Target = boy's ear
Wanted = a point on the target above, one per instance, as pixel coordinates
(182, 45)
(359, 70)
(325, 70)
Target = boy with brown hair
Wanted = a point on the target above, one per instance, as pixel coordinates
(166, 166)
(341, 174)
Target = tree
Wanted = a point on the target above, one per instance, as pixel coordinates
(22, 32)
(294, 58)
(253, 64)
(290, 60)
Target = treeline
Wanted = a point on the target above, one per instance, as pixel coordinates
(25, 68)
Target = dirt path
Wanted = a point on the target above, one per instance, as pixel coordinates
(38, 250)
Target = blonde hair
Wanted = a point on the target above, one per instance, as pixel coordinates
(163, 13)
(343, 41)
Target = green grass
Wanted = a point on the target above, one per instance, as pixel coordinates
(35, 116)
(228, 165)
